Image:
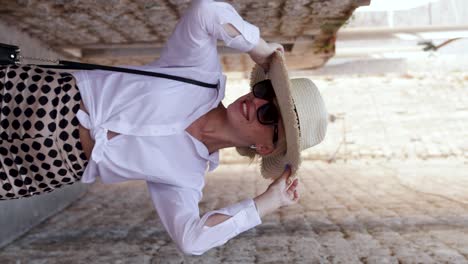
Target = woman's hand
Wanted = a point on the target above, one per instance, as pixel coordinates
(261, 53)
(281, 192)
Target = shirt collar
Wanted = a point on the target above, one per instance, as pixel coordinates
(213, 158)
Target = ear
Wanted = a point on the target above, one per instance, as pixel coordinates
(264, 149)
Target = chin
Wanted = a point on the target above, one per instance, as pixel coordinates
(231, 111)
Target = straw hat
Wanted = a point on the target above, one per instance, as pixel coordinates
(303, 130)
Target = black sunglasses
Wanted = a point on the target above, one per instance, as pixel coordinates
(268, 113)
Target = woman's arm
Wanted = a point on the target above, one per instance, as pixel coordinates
(261, 53)
(194, 40)
(178, 210)
(281, 192)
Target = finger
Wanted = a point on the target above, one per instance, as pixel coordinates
(296, 196)
(280, 48)
(292, 187)
(292, 183)
(289, 182)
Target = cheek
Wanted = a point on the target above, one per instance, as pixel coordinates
(234, 116)
(259, 133)
(249, 131)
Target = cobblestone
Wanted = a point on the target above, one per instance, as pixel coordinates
(388, 116)
(358, 212)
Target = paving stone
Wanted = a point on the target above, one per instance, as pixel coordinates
(357, 211)
(383, 221)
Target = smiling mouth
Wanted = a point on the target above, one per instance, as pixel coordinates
(245, 110)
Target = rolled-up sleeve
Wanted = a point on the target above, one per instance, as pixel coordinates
(213, 15)
(179, 213)
(194, 40)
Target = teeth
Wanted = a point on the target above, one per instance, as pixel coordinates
(244, 107)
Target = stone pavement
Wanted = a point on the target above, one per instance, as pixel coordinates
(359, 212)
(416, 115)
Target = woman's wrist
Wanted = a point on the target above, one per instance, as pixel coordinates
(281, 192)
(265, 205)
(262, 52)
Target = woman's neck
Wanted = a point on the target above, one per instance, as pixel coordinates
(212, 130)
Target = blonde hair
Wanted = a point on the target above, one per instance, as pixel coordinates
(252, 154)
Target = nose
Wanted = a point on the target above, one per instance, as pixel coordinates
(258, 102)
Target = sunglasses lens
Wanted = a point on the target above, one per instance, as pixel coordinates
(264, 90)
(267, 114)
(275, 134)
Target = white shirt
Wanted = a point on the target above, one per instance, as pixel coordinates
(151, 115)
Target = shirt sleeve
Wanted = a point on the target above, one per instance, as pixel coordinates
(179, 213)
(194, 40)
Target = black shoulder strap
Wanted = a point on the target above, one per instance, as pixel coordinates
(71, 65)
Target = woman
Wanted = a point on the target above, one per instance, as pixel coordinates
(60, 128)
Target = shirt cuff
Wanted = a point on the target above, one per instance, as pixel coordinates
(246, 215)
(251, 33)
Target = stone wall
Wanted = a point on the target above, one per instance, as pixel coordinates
(133, 32)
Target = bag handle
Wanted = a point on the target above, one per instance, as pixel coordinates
(63, 64)
(10, 54)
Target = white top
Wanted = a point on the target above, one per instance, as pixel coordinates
(151, 115)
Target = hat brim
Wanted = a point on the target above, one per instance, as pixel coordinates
(273, 166)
